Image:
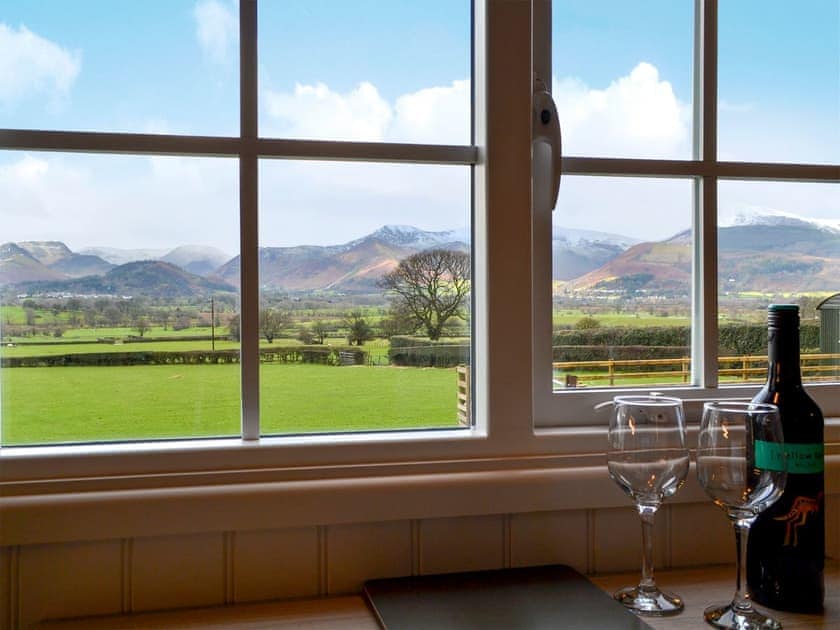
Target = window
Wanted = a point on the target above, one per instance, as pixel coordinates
(476, 174)
(140, 299)
(687, 205)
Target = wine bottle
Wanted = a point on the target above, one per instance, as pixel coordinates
(786, 545)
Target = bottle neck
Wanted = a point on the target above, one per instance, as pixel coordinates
(783, 355)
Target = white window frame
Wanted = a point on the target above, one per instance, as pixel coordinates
(502, 464)
(101, 465)
(564, 408)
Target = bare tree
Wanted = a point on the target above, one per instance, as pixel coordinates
(272, 322)
(234, 327)
(431, 287)
(358, 330)
(319, 331)
(141, 325)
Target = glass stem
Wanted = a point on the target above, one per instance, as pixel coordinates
(647, 512)
(741, 600)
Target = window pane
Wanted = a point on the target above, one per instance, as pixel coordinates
(621, 259)
(343, 347)
(778, 242)
(396, 71)
(779, 81)
(622, 77)
(148, 67)
(115, 323)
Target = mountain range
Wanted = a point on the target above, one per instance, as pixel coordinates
(765, 254)
(355, 266)
(769, 254)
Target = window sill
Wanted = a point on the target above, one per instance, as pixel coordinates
(118, 507)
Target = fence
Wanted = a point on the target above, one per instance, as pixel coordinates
(748, 368)
(462, 374)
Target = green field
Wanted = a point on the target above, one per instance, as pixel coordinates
(567, 318)
(43, 405)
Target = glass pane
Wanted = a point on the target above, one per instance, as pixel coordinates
(115, 323)
(396, 71)
(98, 65)
(778, 242)
(621, 267)
(622, 77)
(779, 81)
(365, 314)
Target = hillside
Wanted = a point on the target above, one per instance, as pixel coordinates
(198, 259)
(769, 256)
(150, 278)
(18, 265)
(355, 266)
(577, 252)
(29, 261)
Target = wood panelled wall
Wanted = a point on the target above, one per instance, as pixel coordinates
(51, 581)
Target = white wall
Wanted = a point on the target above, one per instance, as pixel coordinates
(107, 576)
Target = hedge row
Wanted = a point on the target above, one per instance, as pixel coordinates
(625, 336)
(421, 352)
(734, 339)
(278, 354)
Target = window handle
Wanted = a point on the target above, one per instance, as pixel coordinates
(546, 129)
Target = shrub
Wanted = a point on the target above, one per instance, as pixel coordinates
(587, 323)
(423, 352)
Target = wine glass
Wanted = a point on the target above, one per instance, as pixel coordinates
(741, 465)
(648, 459)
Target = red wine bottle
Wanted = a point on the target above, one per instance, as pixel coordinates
(786, 545)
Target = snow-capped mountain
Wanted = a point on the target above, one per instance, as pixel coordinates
(410, 236)
(355, 266)
(577, 252)
(765, 217)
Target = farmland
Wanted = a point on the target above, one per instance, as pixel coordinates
(41, 405)
(141, 402)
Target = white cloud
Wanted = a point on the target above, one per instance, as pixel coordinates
(437, 114)
(217, 29)
(434, 115)
(21, 182)
(119, 201)
(637, 115)
(32, 66)
(317, 113)
(164, 201)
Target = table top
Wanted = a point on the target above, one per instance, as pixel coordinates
(701, 588)
(698, 587)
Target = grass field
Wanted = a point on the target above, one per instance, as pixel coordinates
(47, 405)
(569, 317)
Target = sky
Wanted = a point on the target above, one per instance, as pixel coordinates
(391, 72)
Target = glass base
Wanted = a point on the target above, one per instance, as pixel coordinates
(727, 616)
(649, 601)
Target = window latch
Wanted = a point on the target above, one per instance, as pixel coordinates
(546, 129)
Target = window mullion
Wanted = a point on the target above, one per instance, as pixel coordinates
(704, 347)
(248, 230)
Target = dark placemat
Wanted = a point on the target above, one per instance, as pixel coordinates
(553, 596)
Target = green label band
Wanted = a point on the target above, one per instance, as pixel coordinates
(802, 459)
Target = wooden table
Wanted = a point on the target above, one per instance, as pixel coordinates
(698, 587)
(701, 588)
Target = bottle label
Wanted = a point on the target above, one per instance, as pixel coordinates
(803, 510)
(802, 459)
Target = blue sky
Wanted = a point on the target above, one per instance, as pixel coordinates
(388, 71)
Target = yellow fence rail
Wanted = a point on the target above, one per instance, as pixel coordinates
(748, 368)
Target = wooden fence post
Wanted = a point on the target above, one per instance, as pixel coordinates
(462, 373)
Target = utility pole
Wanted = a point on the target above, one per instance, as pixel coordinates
(212, 324)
